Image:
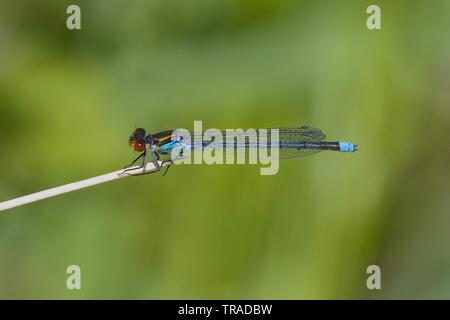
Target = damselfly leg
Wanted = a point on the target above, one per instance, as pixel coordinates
(134, 161)
(172, 161)
(155, 159)
(127, 168)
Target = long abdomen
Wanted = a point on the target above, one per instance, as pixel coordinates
(320, 145)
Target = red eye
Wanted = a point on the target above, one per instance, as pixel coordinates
(137, 146)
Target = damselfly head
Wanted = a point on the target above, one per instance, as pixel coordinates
(137, 139)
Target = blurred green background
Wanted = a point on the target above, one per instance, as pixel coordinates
(70, 99)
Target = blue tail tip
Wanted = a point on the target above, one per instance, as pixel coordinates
(347, 147)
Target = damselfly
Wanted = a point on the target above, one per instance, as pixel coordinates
(292, 142)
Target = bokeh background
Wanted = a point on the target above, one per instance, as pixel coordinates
(69, 100)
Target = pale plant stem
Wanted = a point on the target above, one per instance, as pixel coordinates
(149, 167)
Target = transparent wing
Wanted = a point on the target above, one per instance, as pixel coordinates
(300, 134)
(289, 134)
(292, 141)
(286, 153)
